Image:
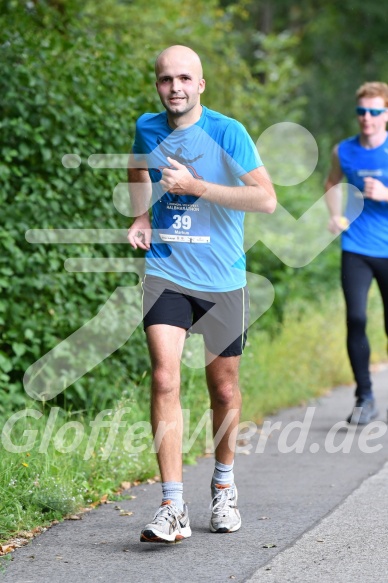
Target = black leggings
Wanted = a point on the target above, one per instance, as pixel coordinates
(357, 274)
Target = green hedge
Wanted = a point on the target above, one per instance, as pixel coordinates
(62, 94)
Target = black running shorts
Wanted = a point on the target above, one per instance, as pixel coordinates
(221, 317)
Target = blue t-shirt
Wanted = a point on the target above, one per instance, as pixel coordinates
(195, 243)
(368, 234)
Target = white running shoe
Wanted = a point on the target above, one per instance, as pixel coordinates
(169, 524)
(225, 515)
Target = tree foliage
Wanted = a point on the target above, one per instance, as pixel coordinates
(338, 46)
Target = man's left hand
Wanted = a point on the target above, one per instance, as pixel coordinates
(374, 189)
(178, 180)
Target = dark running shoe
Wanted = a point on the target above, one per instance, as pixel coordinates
(168, 525)
(364, 412)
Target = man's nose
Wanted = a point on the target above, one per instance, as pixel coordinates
(175, 85)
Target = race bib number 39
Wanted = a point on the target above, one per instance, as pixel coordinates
(185, 223)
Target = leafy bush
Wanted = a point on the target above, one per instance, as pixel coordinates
(63, 94)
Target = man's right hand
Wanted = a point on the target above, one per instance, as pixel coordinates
(139, 234)
(337, 224)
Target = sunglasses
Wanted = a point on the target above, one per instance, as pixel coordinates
(361, 111)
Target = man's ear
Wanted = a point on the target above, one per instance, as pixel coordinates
(202, 85)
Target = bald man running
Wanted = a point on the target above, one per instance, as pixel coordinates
(201, 172)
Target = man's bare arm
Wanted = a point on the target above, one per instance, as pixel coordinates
(333, 194)
(258, 194)
(140, 189)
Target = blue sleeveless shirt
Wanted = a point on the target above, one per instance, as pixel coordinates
(368, 234)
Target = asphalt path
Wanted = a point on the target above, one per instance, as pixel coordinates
(313, 497)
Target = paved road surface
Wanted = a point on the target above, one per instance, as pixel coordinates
(326, 511)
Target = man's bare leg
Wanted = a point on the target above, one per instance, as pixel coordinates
(222, 380)
(165, 346)
(225, 399)
(171, 521)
